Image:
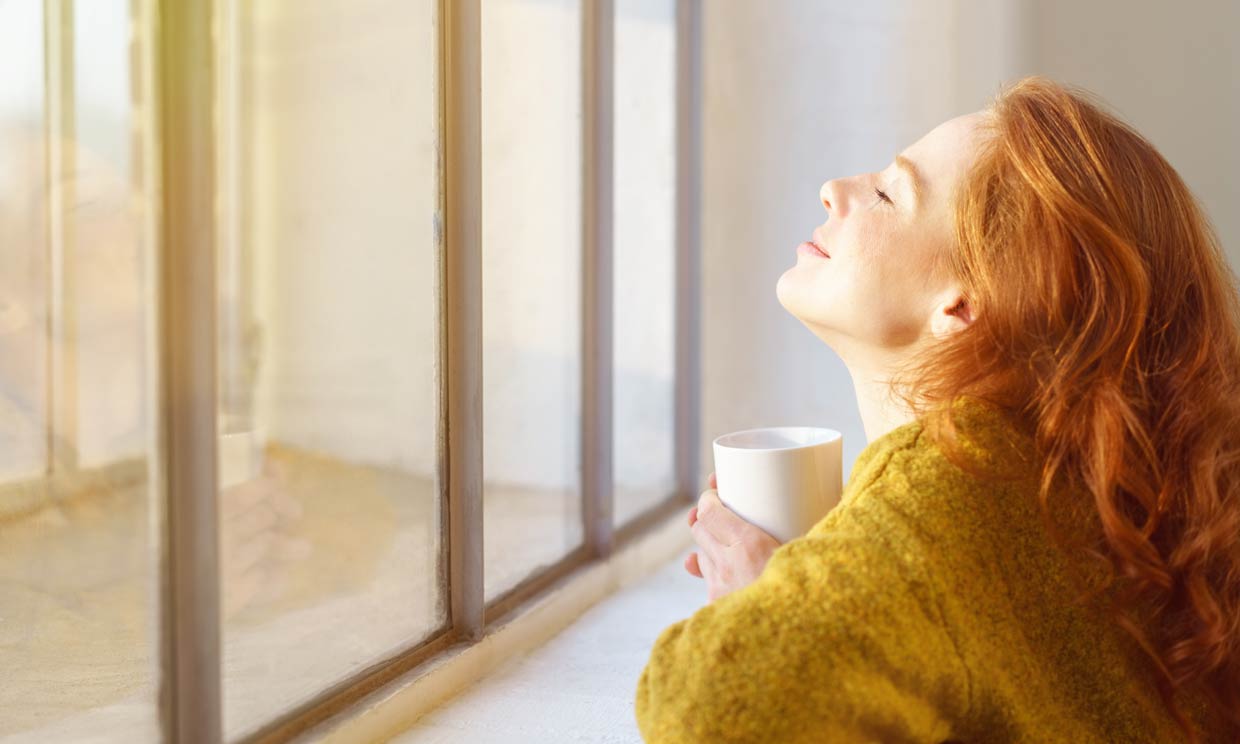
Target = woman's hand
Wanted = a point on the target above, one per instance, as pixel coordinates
(259, 541)
(733, 551)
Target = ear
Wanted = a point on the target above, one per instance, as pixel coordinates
(952, 313)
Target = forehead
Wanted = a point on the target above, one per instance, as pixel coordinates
(946, 152)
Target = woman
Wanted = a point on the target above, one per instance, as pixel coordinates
(1039, 542)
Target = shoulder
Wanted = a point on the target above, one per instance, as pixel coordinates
(906, 482)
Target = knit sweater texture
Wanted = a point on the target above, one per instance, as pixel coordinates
(930, 605)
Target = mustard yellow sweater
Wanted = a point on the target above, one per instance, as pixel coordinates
(929, 606)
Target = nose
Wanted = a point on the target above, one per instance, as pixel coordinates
(825, 194)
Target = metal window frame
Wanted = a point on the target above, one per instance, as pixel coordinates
(462, 183)
(688, 237)
(60, 152)
(191, 688)
(597, 348)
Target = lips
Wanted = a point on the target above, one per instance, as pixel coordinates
(817, 240)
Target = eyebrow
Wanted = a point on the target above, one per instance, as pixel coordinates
(913, 176)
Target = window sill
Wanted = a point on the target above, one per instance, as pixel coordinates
(397, 706)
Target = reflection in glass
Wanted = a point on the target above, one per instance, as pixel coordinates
(328, 324)
(78, 502)
(531, 277)
(644, 256)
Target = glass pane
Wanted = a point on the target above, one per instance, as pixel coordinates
(23, 276)
(329, 295)
(79, 621)
(531, 286)
(644, 314)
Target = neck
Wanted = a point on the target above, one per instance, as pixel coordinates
(880, 412)
(870, 368)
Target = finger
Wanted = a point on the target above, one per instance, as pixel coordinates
(707, 567)
(691, 565)
(720, 521)
(238, 592)
(711, 480)
(286, 504)
(292, 549)
(241, 497)
(692, 516)
(248, 524)
(710, 546)
(273, 585)
(277, 469)
(244, 557)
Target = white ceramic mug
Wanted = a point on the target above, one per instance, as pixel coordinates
(783, 479)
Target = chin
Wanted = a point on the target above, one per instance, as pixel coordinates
(785, 291)
(791, 293)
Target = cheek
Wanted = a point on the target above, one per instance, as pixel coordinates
(887, 286)
(876, 264)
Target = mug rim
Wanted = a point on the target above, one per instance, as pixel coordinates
(827, 435)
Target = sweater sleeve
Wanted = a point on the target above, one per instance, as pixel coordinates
(841, 638)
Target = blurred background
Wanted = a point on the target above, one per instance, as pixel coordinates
(328, 163)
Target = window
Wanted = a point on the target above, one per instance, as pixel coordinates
(328, 188)
(80, 493)
(531, 287)
(329, 333)
(645, 269)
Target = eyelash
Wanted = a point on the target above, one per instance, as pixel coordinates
(882, 196)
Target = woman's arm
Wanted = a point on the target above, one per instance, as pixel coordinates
(840, 638)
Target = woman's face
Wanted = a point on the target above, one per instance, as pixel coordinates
(888, 235)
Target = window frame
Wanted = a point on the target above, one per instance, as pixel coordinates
(183, 113)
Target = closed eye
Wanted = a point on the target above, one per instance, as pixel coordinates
(882, 195)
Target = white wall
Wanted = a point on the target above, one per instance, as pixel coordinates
(800, 91)
(1173, 71)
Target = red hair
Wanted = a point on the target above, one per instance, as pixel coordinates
(1106, 316)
